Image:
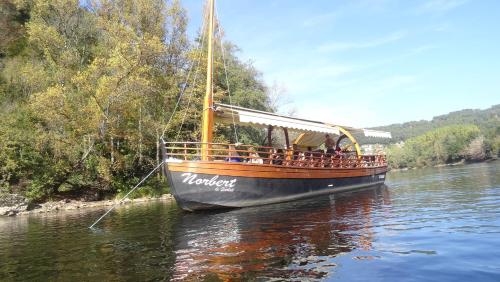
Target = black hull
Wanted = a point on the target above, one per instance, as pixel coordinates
(198, 191)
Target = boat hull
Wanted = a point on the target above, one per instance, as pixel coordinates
(205, 185)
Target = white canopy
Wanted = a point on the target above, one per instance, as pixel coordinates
(314, 139)
(244, 116)
(376, 133)
(226, 113)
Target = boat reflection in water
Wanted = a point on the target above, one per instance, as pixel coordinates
(288, 240)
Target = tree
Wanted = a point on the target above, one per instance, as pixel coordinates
(440, 146)
(476, 150)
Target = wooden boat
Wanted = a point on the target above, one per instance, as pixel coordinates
(207, 175)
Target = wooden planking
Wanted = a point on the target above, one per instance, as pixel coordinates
(270, 171)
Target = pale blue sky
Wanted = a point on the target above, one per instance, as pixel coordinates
(369, 62)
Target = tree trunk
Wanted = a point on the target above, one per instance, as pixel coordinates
(112, 150)
(140, 136)
(158, 175)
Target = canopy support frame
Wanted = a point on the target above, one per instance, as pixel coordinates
(270, 135)
(353, 140)
(287, 140)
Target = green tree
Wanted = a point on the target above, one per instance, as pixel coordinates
(439, 146)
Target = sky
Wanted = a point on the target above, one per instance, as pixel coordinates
(368, 62)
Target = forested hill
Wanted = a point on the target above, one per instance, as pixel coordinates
(487, 120)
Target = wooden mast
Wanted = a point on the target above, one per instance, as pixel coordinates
(208, 113)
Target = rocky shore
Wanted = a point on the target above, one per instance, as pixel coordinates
(13, 204)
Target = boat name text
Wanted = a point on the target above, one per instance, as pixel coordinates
(220, 185)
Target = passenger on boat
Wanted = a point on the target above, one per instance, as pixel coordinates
(329, 144)
(233, 155)
(296, 155)
(296, 152)
(254, 157)
(308, 153)
(277, 157)
(308, 156)
(317, 159)
(318, 152)
(301, 161)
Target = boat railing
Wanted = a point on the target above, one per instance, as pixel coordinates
(223, 152)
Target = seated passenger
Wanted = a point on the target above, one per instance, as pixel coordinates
(308, 153)
(301, 159)
(319, 152)
(317, 159)
(277, 157)
(296, 152)
(233, 156)
(254, 157)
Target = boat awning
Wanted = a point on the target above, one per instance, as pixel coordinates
(376, 133)
(244, 116)
(315, 139)
(313, 129)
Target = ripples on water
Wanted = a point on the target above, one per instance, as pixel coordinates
(431, 224)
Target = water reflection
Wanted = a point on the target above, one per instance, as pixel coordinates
(281, 241)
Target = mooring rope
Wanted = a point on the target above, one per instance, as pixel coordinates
(126, 196)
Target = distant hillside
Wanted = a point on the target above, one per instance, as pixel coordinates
(487, 120)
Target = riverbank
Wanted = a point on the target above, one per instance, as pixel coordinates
(12, 204)
(462, 162)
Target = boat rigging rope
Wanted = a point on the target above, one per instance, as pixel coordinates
(185, 85)
(194, 80)
(178, 102)
(225, 72)
(187, 106)
(194, 83)
(126, 195)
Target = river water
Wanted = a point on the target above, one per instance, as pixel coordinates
(436, 224)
